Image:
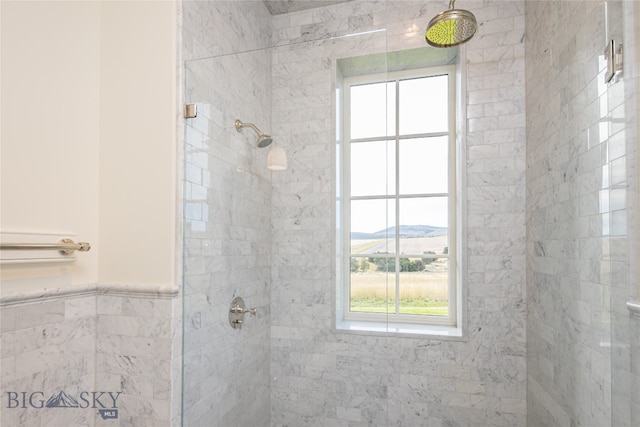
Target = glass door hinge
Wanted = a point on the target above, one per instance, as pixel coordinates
(190, 111)
(613, 56)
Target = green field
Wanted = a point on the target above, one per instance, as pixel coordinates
(424, 292)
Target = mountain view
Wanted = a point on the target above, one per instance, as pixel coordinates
(406, 232)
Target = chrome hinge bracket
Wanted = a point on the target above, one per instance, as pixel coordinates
(190, 111)
(613, 55)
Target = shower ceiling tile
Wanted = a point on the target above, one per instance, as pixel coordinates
(278, 7)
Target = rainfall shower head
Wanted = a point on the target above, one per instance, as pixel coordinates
(263, 139)
(451, 27)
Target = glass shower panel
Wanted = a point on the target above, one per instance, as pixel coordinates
(227, 242)
(315, 378)
(267, 237)
(622, 100)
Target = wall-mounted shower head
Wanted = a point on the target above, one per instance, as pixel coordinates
(263, 139)
(451, 27)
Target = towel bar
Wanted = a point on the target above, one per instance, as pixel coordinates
(64, 246)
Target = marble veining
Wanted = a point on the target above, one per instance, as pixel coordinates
(358, 379)
(578, 328)
(91, 338)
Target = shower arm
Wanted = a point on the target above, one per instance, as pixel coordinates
(240, 125)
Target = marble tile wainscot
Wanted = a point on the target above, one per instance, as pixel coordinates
(111, 338)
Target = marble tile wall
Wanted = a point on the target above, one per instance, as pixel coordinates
(227, 207)
(323, 376)
(47, 347)
(91, 341)
(134, 351)
(576, 209)
(214, 28)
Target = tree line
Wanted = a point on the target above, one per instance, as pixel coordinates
(389, 264)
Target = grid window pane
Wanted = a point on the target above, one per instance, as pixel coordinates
(424, 105)
(371, 291)
(372, 223)
(373, 168)
(424, 165)
(373, 110)
(424, 225)
(424, 288)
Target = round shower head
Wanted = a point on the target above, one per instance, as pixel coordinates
(451, 27)
(264, 140)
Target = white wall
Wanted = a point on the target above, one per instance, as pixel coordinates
(138, 142)
(89, 137)
(89, 107)
(50, 130)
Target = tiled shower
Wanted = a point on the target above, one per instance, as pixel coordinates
(546, 254)
(549, 236)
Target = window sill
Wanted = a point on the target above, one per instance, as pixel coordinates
(401, 330)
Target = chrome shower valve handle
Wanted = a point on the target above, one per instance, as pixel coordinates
(237, 312)
(237, 309)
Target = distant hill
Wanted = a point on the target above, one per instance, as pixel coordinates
(406, 232)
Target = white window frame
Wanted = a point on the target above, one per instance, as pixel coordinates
(402, 322)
